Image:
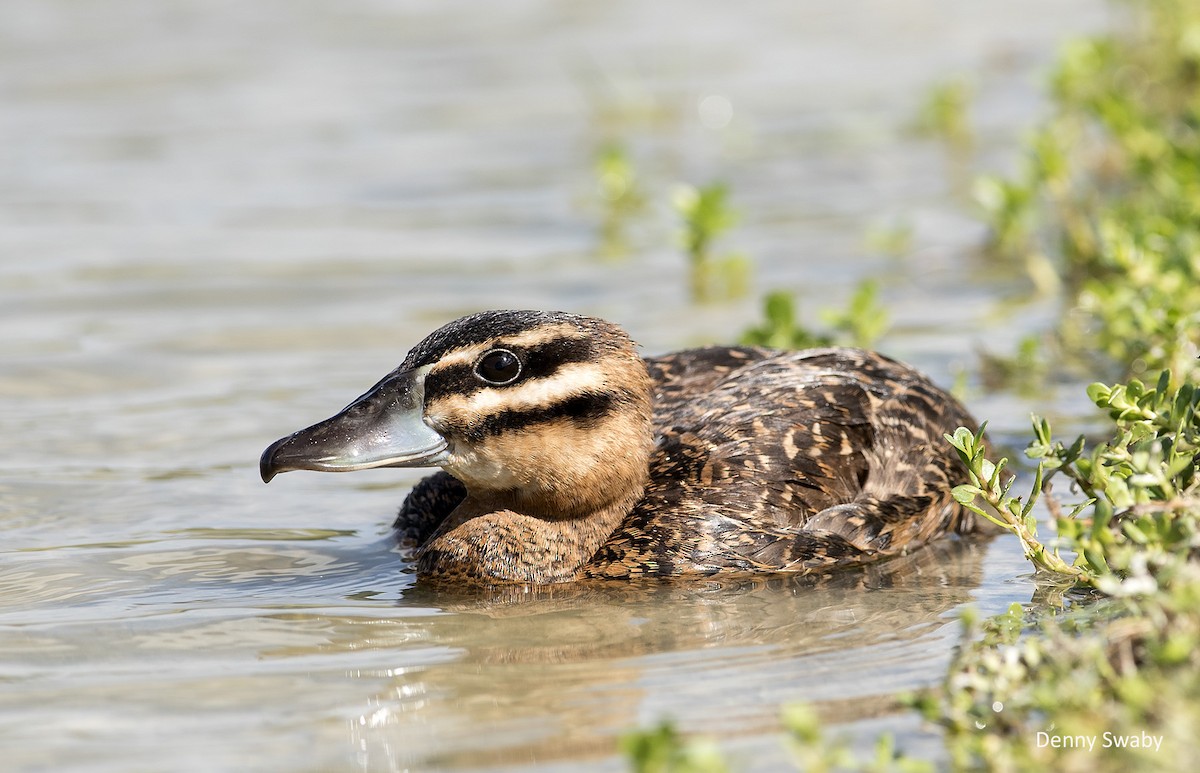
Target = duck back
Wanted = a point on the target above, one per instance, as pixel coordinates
(789, 461)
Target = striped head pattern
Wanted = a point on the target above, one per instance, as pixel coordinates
(547, 406)
(546, 412)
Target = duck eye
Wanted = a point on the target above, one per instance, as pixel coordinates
(499, 367)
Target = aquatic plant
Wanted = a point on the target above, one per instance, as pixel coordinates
(705, 214)
(815, 751)
(861, 323)
(620, 197)
(1121, 666)
(663, 749)
(781, 328)
(1106, 205)
(1120, 670)
(1141, 488)
(989, 483)
(1111, 686)
(864, 320)
(944, 113)
(1105, 211)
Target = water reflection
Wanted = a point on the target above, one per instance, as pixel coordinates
(332, 630)
(579, 665)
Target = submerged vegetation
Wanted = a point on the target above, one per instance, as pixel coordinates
(1102, 670)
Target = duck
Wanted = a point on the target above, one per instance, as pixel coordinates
(565, 456)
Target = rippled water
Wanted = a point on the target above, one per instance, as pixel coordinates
(221, 221)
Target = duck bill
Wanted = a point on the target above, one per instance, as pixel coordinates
(383, 428)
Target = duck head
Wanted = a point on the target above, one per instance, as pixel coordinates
(547, 412)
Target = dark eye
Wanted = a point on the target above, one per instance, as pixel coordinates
(499, 367)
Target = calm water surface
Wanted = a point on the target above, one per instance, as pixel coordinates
(221, 221)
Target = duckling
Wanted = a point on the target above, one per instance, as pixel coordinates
(566, 456)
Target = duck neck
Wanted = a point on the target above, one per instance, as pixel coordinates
(543, 498)
(482, 542)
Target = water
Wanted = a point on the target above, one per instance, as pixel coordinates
(221, 221)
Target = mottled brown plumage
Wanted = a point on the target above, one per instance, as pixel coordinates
(593, 463)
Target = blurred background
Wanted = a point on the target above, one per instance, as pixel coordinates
(222, 221)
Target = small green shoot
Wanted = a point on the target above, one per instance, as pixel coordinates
(989, 483)
(864, 321)
(706, 214)
(781, 329)
(620, 197)
(860, 324)
(663, 749)
(945, 113)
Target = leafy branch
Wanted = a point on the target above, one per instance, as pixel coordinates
(989, 483)
(1142, 488)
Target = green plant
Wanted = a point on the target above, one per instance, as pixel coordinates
(989, 483)
(861, 324)
(1106, 212)
(1122, 667)
(944, 113)
(620, 196)
(663, 749)
(1106, 206)
(1120, 681)
(815, 752)
(780, 329)
(864, 320)
(706, 214)
(1141, 489)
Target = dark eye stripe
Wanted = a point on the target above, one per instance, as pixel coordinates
(452, 380)
(583, 410)
(537, 362)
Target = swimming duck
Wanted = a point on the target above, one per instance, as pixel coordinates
(564, 455)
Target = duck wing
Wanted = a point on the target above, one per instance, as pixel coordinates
(800, 461)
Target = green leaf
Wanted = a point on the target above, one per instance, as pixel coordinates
(1099, 394)
(965, 494)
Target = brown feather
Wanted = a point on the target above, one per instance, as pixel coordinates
(763, 461)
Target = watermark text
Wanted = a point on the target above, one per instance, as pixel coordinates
(1142, 740)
